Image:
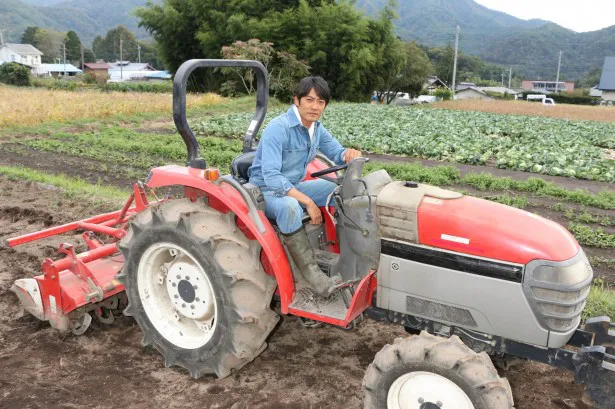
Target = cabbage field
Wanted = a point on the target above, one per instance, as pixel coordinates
(580, 149)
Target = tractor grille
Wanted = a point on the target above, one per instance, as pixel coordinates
(557, 291)
(439, 312)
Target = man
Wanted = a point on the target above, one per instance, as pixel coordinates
(289, 143)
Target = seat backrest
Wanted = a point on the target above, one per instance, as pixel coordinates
(240, 166)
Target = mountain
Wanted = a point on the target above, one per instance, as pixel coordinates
(433, 22)
(529, 46)
(88, 18)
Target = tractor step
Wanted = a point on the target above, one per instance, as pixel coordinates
(333, 306)
(341, 308)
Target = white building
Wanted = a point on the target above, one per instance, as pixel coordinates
(127, 71)
(56, 70)
(24, 54)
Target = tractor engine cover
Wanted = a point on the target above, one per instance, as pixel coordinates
(477, 264)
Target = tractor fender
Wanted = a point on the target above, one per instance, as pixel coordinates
(226, 199)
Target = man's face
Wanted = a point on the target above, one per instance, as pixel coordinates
(310, 107)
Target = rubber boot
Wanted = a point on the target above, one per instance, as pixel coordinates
(303, 255)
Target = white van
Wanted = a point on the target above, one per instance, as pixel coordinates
(542, 98)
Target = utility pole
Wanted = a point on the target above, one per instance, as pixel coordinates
(509, 76)
(82, 58)
(139, 50)
(455, 60)
(121, 62)
(64, 44)
(559, 63)
(1, 38)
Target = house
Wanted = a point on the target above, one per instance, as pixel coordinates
(24, 54)
(547, 86)
(501, 90)
(464, 85)
(433, 83)
(472, 93)
(56, 70)
(127, 71)
(100, 70)
(607, 81)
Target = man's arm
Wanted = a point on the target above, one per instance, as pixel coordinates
(271, 164)
(333, 150)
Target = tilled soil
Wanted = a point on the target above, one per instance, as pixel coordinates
(303, 368)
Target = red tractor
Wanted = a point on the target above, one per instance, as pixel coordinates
(472, 279)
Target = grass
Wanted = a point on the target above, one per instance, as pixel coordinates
(585, 235)
(540, 187)
(34, 106)
(564, 111)
(600, 302)
(71, 187)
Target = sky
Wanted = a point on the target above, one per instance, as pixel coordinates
(588, 15)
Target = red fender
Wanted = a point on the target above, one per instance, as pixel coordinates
(228, 199)
(224, 198)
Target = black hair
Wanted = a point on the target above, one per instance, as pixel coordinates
(319, 85)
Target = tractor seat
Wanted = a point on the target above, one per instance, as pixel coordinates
(239, 171)
(240, 166)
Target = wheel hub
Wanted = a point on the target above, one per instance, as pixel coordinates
(190, 298)
(426, 390)
(177, 296)
(186, 291)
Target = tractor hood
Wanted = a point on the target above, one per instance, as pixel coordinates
(448, 220)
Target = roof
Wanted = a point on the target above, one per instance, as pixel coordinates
(162, 75)
(435, 80)
(23, 48)
(59, 68)
(97, 65)
(472, 89)
(125, 66)
(499, 90)
(607, 79)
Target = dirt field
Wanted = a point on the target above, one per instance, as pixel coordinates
(565, 111)
(107, 367)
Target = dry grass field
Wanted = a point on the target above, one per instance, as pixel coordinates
(566, 111)
(33, 106)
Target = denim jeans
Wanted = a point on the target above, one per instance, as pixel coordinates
(288, 212)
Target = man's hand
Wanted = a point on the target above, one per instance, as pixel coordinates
(351, 154)
(314, 213)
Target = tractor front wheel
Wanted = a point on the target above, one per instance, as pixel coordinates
(430, 372)
(196, 287)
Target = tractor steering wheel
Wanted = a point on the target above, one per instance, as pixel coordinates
(328, 170)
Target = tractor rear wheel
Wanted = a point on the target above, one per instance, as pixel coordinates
(196, 287)
(429, 372)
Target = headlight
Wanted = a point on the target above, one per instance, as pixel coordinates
(557, 290)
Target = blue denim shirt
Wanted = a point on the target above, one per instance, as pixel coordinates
(285, 150)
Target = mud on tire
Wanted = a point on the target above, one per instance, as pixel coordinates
(240, 288)
(449, 358)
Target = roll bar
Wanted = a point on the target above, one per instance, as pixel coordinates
(179, 104)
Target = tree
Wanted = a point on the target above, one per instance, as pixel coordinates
(88, 55)
(284, 68)
(591, 79)
(29, 36)
(49, 42)
(337, 41)
(14, 74)
(73, 48)
(107, 48)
